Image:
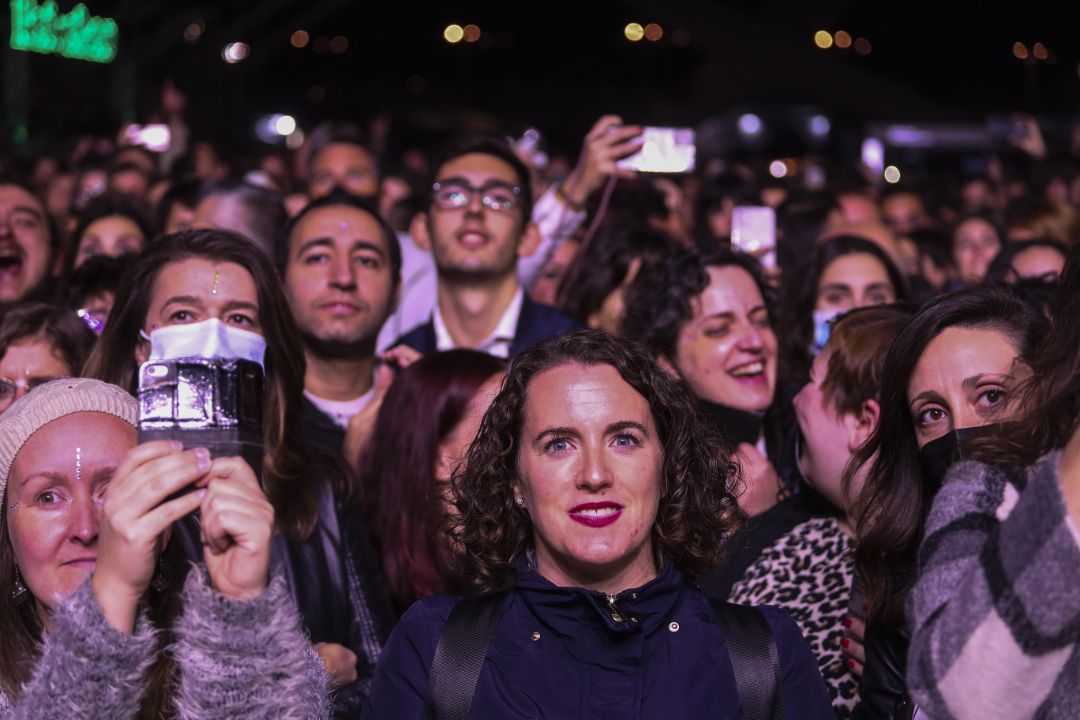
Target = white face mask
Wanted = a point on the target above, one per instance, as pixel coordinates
(207, 339)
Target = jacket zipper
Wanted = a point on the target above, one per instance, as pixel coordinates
(617, 614)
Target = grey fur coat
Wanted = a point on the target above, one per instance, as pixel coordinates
(235, 659)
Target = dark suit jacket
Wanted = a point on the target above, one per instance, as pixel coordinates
(535, 323)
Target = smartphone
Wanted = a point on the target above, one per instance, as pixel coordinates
(154, 137)
(753, 231)
(211, 403)
(665, 150)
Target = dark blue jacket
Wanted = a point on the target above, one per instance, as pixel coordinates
(558, 653)
(535, 323)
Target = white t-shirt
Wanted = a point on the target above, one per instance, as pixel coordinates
(341, 411)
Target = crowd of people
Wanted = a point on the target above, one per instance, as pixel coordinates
(541, 438)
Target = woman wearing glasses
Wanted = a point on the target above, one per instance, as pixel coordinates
(39, 343)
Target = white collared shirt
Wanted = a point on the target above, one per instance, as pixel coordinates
(498, 343)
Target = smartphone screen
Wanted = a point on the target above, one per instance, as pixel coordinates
(753, 231)
(664, 150)
(155, 137)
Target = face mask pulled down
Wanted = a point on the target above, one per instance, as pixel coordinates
(203, 386)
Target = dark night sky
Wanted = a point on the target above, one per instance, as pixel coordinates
(561, 64)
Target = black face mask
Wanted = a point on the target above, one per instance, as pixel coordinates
(937, 456)
(738, 426)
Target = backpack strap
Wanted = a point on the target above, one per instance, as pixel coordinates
(754, 660)
(459, 656)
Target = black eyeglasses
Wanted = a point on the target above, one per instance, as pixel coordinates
(9, 389)
(494, 195)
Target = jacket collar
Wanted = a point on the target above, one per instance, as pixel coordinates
(647, 607)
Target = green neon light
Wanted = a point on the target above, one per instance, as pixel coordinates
(77, 35)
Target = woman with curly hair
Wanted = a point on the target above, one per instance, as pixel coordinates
(594, 492)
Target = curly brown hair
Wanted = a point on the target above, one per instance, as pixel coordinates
(697, 508)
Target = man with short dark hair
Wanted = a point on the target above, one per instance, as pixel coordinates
(476, 225)
(26, 247)
(341, 268)
(339, 158)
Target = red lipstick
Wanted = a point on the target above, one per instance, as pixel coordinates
(596, 514)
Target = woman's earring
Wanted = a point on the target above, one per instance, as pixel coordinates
(520, 501)
(18, 588)
(159, 583)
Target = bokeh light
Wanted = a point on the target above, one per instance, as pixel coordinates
(634, 32)
(653, 32)
(471, 33)
(892, 174)
(300, 39)
(453, 34)
(749, 124)
(1020, 51)
(842, 39)
(1039, 51)
(339, 44)
(823, 39)
(863, 46)
(284, 124)
(193, 32)
(778, 169)
(235, 52)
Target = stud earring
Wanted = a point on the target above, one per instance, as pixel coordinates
(520, 501)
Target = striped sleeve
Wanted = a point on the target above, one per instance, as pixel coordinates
(995, 614)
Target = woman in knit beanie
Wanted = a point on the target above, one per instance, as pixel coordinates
(96, 597)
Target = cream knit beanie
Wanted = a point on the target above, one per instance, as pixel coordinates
(52, 401)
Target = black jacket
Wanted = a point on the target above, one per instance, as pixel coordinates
(535, 323)
(320, 432)
(883, 693)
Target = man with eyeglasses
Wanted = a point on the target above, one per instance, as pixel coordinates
(477, 225)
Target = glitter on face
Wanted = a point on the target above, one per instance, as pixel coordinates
(13, 506)
(213, 287)
(78, 464)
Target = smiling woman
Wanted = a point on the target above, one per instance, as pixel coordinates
(710, 317)
(595, 489)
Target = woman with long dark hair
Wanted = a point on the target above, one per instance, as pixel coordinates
(201, 276)
(995, 609)
(842, 273)
(955, 368)
(428, 418)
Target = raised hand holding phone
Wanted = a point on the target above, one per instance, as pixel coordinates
(237, 524)
(136, 520)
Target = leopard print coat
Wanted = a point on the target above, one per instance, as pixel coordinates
(808, 573)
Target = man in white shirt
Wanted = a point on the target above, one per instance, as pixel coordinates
(341, 268)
